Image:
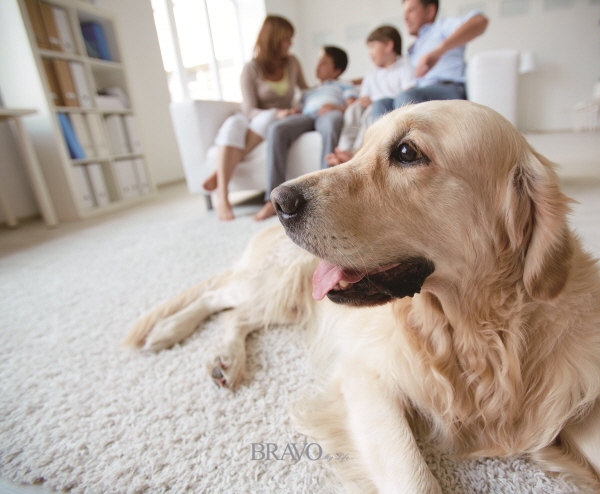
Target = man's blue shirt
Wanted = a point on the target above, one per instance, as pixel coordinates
(451, 66)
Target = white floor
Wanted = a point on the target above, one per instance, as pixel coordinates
(578, 156)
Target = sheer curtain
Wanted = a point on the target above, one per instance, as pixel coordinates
(205, 43)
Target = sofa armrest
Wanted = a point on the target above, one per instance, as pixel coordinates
(196, 124)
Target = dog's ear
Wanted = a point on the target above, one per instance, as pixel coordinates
(536, 219)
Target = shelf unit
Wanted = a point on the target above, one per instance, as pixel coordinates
(24, 83)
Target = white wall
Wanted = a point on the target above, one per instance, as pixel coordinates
(565, 34)
(149, 90)
(292, 11)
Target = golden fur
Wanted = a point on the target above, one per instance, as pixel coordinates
(499, 353)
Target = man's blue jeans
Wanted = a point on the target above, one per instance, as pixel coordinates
(442, 91)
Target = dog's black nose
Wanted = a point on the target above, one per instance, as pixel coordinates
(288, 201)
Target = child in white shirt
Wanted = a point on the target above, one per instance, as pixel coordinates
(391, 75)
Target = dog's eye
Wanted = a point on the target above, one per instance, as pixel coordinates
(406, 154)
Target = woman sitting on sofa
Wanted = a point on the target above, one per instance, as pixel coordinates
(269, 82)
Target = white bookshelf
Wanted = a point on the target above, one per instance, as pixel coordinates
(23, 83)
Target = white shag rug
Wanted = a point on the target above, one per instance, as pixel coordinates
(79, 412)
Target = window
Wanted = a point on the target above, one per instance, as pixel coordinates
(205, 43)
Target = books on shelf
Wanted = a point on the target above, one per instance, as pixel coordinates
(65, 36)
(55, 92)
(84, 95)
(37, 24)
(142, 176)
(91, 185)
(98, 184)
(133, 136)
(68, 84)
(117, 137)
(95, 40)
(75, 149)
(94, 148)
(127, 179)
(84, 188)
(47, 12)
(132, 178)
(82, 132)
(106, 102)
(84, 135)
(112, 98)
(117, 92)
(97, 134)
(123, 134)
(65, 82)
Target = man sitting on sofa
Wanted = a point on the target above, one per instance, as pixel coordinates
(437, 55)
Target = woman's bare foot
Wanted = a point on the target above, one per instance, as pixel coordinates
(210, 183)
(224, 211)
(266, 212)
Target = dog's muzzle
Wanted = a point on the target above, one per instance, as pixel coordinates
(403, 278)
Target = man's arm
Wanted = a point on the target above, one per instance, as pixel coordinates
(472, 28)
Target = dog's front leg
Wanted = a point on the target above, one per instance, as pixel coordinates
(382, 435)
(175, 319)
(178, 318)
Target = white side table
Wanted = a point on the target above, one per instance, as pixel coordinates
(32, 167)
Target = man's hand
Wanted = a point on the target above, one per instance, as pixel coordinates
(427, 61)
(327, 107)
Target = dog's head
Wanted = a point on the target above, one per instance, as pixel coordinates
(449, 187)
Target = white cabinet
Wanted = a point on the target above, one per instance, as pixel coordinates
(49, 61)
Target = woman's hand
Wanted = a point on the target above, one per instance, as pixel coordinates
(286, 112)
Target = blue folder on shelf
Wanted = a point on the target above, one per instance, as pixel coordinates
(75, 149)
(95, 40)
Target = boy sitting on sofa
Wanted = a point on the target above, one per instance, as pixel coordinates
(391, 75)
(322, 110)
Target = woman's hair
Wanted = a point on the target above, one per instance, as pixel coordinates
(385, 34)
(274, 30)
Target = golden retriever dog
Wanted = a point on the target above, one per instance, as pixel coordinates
(446, 295)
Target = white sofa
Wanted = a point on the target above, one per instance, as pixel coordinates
(492, 79)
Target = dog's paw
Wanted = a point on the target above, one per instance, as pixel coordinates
(218, 374)
(227, 371)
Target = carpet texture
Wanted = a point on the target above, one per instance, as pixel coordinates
(79, 412)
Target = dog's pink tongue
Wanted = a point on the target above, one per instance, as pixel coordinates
(327, 276)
